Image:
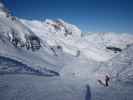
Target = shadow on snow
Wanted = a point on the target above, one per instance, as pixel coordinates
(88, 93)
(10, 66)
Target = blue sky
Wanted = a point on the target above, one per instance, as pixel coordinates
(88, 15)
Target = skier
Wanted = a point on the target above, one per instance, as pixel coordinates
(107, 79)
(106, 82)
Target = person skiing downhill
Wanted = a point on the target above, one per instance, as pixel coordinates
(105, 82)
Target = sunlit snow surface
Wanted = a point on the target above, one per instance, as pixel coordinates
(68, 64)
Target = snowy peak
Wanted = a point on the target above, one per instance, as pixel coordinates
(56, 33)
(58, 27)
(66, 28)
(1, 4)
(15, 31)
(3, 10)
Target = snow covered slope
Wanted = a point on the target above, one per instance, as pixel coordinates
(49, 43)
(107, 44)
(120, 67)
(19, 43)
(30, 49)
(56, 33)
(93, 46)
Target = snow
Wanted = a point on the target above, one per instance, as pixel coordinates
(66, 66)
(53, 32)
(92, 46)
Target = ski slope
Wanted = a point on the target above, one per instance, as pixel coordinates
(54, 60)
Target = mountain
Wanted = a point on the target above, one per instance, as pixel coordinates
(19, 43)
(54, 59)
(93, 46)
(56, 33)
(121, 66)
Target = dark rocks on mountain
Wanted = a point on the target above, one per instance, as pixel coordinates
(33, 43)
(67, 33)
(53, 50)
(15, 41)
(115, 49)
(56, 27)
(13, 18)
(78, 53)
(59, 47)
